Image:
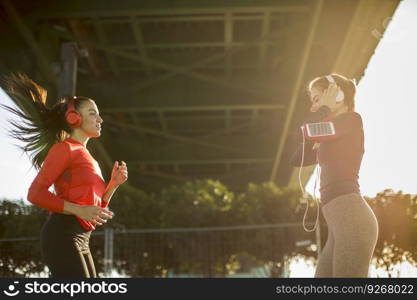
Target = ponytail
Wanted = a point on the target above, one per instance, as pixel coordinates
(39, 127)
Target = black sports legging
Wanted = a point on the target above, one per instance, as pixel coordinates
(65, 247)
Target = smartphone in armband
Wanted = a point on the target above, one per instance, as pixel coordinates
(318, 131)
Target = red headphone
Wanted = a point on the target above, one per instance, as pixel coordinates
(72, 116)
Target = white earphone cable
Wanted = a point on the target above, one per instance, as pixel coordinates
(304, 194)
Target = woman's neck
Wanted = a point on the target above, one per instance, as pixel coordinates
(339, 111)
(79, 137)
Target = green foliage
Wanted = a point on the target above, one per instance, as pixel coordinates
(20, 220)
(199, 203)
(203, 203)
(266, 204)
(206, 203)
(397, 218)
(134, 211)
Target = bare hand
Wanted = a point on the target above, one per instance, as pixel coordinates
(94, 214)
(329, 97)
(119, 173)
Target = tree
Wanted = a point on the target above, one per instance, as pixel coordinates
(208, 203)
(397, 218)
(194, 206)
(20, 220)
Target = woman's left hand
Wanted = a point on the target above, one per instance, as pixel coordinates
(119, 173)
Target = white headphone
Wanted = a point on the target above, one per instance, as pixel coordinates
(340, 96)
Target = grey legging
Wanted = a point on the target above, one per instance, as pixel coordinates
(352, 236)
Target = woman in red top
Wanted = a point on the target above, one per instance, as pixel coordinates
(56, 138)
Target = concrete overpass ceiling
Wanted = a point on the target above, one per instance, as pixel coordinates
(195, 89)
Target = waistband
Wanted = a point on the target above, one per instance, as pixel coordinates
(336, 190)
(66, 227)
(66, 223)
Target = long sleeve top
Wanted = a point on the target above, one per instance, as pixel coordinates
(339, 156)
(76, 177)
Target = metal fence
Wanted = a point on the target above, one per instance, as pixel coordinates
(240, 251)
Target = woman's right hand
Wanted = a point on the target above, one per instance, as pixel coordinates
(94, 214)
(329, 97)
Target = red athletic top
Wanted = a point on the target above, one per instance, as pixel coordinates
(76, 177)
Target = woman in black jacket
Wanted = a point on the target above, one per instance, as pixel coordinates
(352, 226)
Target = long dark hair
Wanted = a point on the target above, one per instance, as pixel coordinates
(39, 126)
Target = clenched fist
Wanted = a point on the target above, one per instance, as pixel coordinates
(119, 173)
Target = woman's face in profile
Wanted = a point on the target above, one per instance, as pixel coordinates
(315, 98)
(92, 120)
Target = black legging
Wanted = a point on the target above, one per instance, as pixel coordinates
(64, 245)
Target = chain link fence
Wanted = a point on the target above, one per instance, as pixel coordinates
(238, 251)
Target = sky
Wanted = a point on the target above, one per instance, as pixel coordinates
(386, 99)
(16, 170)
